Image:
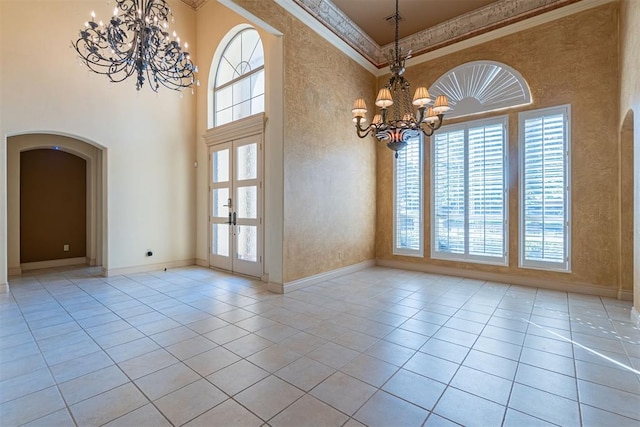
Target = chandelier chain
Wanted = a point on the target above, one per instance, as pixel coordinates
(398, 126)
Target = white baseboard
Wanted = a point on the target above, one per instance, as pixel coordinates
(625, 295)
(202, 262)
(146, 268)
(514, 279)
(318, 278)
(26, 266)
(4, 288)
(635, 316)
(15, 271)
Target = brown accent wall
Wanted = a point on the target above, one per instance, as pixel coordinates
(53, 193)
(573, 60)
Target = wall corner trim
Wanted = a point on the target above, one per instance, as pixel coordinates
(274, 287)
(635, 317)
(320, 277)
(625, 295)
(510, 279)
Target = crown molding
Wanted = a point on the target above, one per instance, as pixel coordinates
(479, 21)
(490, 22)
(194, 3)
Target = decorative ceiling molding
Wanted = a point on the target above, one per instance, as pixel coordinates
(496, 20)
(341, 25)
(485, 19)
(194, 3)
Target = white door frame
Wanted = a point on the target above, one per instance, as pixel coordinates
(252, 126)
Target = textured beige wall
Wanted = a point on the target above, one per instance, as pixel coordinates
(329, 173)
(630, 116)
(574, 61)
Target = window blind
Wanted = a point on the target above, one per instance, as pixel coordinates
(408, 169)
(468, 185)
(544, 199)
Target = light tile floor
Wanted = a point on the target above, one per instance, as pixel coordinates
(380, 347)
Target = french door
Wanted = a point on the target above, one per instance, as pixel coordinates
(236, 204)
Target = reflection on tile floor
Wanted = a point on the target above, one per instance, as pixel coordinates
(379, 347)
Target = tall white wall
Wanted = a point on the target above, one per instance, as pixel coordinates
(148, 139)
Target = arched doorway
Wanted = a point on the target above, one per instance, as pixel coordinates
(94, 156)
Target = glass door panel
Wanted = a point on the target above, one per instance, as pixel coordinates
(220, 202)
(247, 243)
(247, 202)
(220, 240)
(236, 206)
(220, 243)
(248, 207)
(247, 161)
(220, 166)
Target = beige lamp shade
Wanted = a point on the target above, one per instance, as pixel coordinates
(431, 116)
(442, 105)
(384, 99)
(377, 119)
(359, 108)
(421, 97)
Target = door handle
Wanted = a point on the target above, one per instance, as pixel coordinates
(229, 222)
(228, 205)
(234, 218)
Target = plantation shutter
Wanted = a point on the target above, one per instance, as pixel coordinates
(469, 192)
(448, 189)
(408, 197)
(486, 190)
(545, 190)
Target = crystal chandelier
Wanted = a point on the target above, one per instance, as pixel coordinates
(396, 125)
(136, 40)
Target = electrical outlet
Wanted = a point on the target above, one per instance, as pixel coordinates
(65, 248)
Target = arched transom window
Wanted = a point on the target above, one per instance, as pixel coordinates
(239, 84)
(480, 87)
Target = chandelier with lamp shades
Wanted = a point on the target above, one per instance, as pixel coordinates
(136, 41)
(397, 120)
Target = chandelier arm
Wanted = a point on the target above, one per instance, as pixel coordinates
(362, 132)
(421, 111)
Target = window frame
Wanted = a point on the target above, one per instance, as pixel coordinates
(564, 267)
(466, 257)
(215, 88)
(400, 250)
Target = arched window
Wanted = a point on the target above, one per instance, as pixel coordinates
(239, 82)
(481, 86)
